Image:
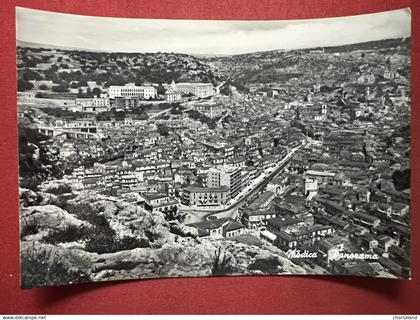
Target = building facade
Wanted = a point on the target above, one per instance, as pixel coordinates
(160, 202)
(126, 103)
(26, 95)
(205, 197)
(312, 112)
(230, 177)
(94, 105)
(200, 90)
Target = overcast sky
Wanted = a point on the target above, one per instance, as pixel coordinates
(205, 36)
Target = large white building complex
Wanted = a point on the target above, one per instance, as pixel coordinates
(131, 90)
(95, 105)
(200, 90)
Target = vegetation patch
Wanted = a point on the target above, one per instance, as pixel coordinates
(268, 266)
(69, 234)
(41, 267)
(28, 227)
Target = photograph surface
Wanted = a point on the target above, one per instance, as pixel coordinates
(152, 148)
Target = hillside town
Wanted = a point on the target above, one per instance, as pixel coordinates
(301, 154)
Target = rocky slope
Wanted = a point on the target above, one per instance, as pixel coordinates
(161, 249)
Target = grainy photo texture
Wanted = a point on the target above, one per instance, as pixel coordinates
(181, 148)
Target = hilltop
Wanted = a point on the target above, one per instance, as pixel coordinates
(279, 66)
(65, 67)
(73, 68)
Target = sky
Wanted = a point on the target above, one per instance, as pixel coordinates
(205, 36)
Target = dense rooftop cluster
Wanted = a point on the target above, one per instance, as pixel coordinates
(306, 151)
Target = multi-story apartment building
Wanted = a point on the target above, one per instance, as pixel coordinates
(126, 103)
(204, 197)
(127, 179)
(160, 202)
(131, 90)
(172, 96)
(227, 176)
(95, 105)
(322, 177)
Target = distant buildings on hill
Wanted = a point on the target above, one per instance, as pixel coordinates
(129, 96)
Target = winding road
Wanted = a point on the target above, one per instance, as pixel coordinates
(232, 209)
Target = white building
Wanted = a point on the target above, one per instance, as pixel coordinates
(131, 90)
(25, 96)
(200, 90)
(310, 185)
(171, 94)
(322, 177)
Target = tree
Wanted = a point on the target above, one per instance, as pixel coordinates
(401, 179)
(80, 94)
(30, 64)
(74, 85)
(23, 85)
(40, 95)
(96, 92)
(43, 87)
(89, 92)
(51, 75)
(162, 130)
(160, 89)
(29, 74)
(115, 80)
(83, 83)
(139, 80)
(60, 88)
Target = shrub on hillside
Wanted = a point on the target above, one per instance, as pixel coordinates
(61, 189)
(27, 228)
(69, 234)
(60, 88)
(103, 241)
(41, 267)
(221, 264)
(102, 238)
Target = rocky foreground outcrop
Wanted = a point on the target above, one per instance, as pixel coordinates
(130, 218)
(46, 219)
(169, 249)
(171, 260)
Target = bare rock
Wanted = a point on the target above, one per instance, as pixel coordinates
(48, 218)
